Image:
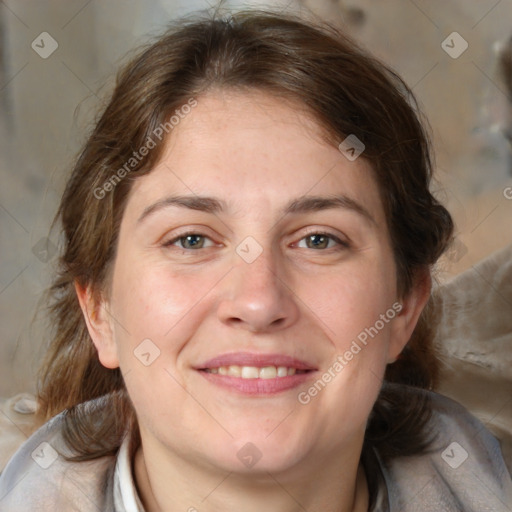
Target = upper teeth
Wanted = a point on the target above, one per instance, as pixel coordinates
(253, 372)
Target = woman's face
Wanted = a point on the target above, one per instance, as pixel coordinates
(250, 262)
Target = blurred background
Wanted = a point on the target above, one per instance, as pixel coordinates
(57, 65)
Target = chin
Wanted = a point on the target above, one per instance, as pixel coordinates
(260, 455)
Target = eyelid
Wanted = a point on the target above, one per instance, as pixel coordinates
(176, 237)
(341, 239)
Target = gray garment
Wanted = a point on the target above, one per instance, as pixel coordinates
(464, 472)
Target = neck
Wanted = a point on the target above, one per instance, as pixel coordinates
(334, 485)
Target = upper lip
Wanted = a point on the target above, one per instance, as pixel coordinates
(257, 360)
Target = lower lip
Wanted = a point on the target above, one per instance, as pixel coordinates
(257, 386)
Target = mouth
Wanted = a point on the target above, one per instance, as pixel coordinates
(256, 374)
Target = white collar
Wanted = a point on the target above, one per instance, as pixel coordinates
(126, 498)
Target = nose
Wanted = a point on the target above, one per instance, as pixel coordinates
(256, 297)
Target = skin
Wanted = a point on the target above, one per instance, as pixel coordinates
(297, 298)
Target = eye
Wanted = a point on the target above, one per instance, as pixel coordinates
(190, 241)
(315, 240)
(322, 241)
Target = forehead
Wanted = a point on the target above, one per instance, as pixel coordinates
(255, 151)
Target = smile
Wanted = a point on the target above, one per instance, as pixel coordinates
(256, 374)
(253, 372)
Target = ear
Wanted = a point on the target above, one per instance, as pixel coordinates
(99, 325)
(404, 323)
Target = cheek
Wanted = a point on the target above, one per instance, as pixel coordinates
(355, 308)
(351, 300)
(151, 302)
(159, 312)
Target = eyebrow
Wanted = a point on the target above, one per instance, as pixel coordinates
(302, 204)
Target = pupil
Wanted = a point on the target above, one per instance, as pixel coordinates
(318, 240)
(193, 240)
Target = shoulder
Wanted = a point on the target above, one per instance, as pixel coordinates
(38, 476)
(463, 469)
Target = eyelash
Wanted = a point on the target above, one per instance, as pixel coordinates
(341, 243)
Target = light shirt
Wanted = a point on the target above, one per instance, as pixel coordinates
(463, 472)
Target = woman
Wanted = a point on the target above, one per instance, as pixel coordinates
(240, 312)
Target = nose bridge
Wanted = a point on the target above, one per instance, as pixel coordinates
(258, 279)
(255, 296)
(258, 262)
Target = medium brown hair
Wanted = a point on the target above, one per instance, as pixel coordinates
(346, 90)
